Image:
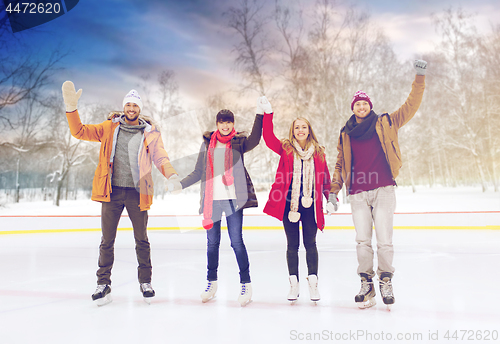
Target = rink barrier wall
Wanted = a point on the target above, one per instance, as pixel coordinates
(26, 224)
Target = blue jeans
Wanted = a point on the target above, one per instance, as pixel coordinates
(234, 220)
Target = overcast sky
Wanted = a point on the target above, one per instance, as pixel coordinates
(113, 42)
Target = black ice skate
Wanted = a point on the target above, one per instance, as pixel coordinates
(102, 295)
(386, 289)
(147, 292)
(366, 295)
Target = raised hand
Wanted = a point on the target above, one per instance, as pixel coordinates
(263, 106)
(70, 96)
(420, 66)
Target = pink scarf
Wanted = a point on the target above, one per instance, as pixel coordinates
(227, 178)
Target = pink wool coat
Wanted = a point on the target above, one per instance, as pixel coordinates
(275, 206)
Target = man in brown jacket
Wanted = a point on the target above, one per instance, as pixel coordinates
(130, 144)
(368, 162)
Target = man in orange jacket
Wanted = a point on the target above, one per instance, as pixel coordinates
(368, 162)
(130, 144)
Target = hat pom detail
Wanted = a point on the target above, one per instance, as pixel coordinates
(307, 202)
(293, 216)
(207, 223)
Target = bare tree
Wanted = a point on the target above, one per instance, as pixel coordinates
(463, 88)
(248, 21)
(68, 151)
(21, 72)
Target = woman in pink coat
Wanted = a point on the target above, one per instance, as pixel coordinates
(296, 195)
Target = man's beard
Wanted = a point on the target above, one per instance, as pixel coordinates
(132, 119)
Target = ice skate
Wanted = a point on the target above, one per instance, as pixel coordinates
(386, 291)
(313, 288)
(366, 295)
(147, 292)
(294, 289)
(246, 294)
(102, 295)
(209, 292)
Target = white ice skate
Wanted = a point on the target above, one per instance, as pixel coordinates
(209, 292)
(313, 288)
(385, 284)
(294, 289)
(147, 292)
(102, 295)
(366, 295)
(246, 294)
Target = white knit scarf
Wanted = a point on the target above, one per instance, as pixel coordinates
(307, 182)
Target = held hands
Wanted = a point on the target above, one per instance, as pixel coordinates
(70, 96)
(332, 205)
(263, 106)
(174, 185)
(420, 66)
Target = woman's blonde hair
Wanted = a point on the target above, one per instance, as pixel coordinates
(311, 140)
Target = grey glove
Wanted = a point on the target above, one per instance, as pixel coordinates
(332, 205)
(70, 96)
(420, 66)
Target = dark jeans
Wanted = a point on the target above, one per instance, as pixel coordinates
(110, 216)
(234, 221)
(309, 230)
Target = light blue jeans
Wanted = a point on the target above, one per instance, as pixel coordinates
(374, 207)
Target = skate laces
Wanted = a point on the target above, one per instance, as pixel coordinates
(100, 288)
(386, 288)
(365, 287)
(209, 287)
(244, 289)
(146, 287)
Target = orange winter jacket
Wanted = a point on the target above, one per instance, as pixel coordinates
(387, 127)
(151, 150)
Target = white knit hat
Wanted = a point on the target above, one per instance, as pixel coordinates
(133, 97)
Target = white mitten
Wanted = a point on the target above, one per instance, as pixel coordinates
(264, 105)
(70, 96)
(174, 185)
(258, 109)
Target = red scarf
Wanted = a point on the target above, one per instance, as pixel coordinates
(227, 178)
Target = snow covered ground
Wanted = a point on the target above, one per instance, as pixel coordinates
(447, 259)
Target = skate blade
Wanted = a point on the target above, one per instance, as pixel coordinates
(103, 301)
(245, 303)
(147, 300)
(207, 300)
(367, 304)
(389, 307)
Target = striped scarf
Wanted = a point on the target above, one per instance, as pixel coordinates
(308, 173)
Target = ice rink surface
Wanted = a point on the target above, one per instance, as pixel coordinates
(446, 285)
